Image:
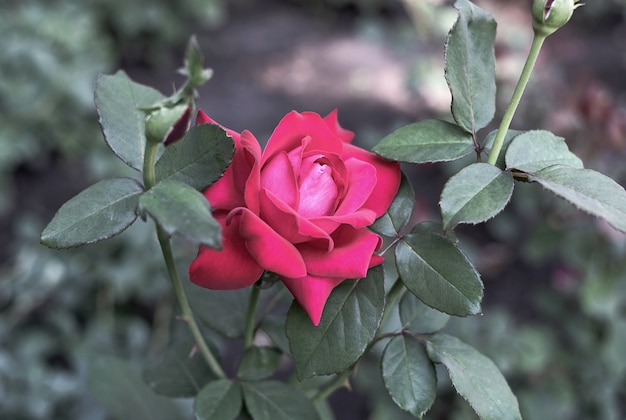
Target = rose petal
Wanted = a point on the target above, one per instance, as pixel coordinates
(317, 191)
(358, 219)
(253, 181)
(350, 258)
(387, 178)
(294, 127)
(288, 223)
(277, 176)
(311, 293)
(271, 251)
(229, 269)
(332, 122)
(239, 180)
(361, 182)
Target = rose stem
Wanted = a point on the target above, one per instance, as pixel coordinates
(252, 304)
(166, 249)
(515, 99)
(338, 381)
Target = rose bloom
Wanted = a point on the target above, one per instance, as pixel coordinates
(299, 208)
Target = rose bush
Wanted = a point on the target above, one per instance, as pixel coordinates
(299, 208)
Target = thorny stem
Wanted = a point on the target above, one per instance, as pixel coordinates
(168, 256)
(252, 304)
(515, 99)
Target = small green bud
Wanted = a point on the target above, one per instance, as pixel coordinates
(550, 15)
(164, 123)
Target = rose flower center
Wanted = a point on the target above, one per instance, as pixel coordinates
(318, 191)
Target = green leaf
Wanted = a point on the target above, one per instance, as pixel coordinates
(426, 141)
(535, 150)
(399, 212)
(273, 400)
(418, 317)
(119, 388)
(181, 372)
(475, 194)
(219, 399)
(488, 144)
(258, 363)
(118, 101)
(198, 159)
(475, 377)
(179, 208)
(439, 274)
(409, 375)
(211, 305)
(588, 190)
(99, 212)
(351, 317)
(470, 66)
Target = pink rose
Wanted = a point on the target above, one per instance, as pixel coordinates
(299, 208)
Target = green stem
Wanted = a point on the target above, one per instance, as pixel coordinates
(149, 179)
(338, 381)
(515, 99)
(396, 291)
(252, 304)
(149, 160)
(187, 314)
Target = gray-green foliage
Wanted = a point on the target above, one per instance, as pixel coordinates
(58, 308)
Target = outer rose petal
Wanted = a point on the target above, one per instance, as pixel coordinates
(311, 293)
(333, 123)
(351, 257)
(272, 251)
(240, 178)
(229, 269)
(387, 176)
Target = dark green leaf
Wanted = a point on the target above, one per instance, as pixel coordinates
(426, 141)
(198, 159)
(181, 372)
(588, 190)
(409, 375)
(470, 66)
(418, 317)
(488, 144)
(178, 208)
(351, 317)
(475, 377)
(119, 100)
(535, 150)
(258, 363)
(439, 274)
(211, 305)
(399, 212)
(119, 388)
(475, 194)
(273, 400)
(219, 399)
(101, 211)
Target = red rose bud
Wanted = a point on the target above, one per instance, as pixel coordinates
(299, 209)
(168, 124)
(550, 15)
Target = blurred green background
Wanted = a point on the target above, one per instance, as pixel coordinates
(555, 305)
